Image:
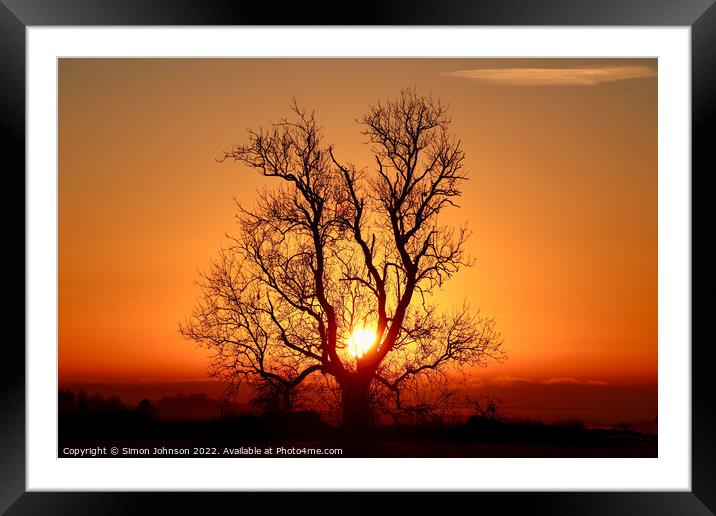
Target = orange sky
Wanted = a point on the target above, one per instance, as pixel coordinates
(562, 200)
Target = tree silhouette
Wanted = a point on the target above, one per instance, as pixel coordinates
(334, 249)
(146, 408)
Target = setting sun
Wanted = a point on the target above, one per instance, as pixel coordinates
(361, 341)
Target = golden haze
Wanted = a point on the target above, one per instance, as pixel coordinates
(562, 201)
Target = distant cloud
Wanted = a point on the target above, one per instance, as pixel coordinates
(572, 381)
(506, 380)
(575, 76)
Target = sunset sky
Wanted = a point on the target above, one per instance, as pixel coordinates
(562, 201)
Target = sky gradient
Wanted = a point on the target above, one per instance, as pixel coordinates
(562, 201)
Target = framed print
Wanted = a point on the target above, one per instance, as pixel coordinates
(438, 250)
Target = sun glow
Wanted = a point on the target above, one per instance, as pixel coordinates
(360, 341)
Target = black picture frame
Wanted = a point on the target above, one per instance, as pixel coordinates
(700, 15)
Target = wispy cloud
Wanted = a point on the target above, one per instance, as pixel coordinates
(572, 381)
(575, 76)
(506, 380)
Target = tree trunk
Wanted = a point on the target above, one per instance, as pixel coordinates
(356, 406)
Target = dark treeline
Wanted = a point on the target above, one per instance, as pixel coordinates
(69, 402)
(84, 418)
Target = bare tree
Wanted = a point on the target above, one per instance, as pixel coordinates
(335, 249)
